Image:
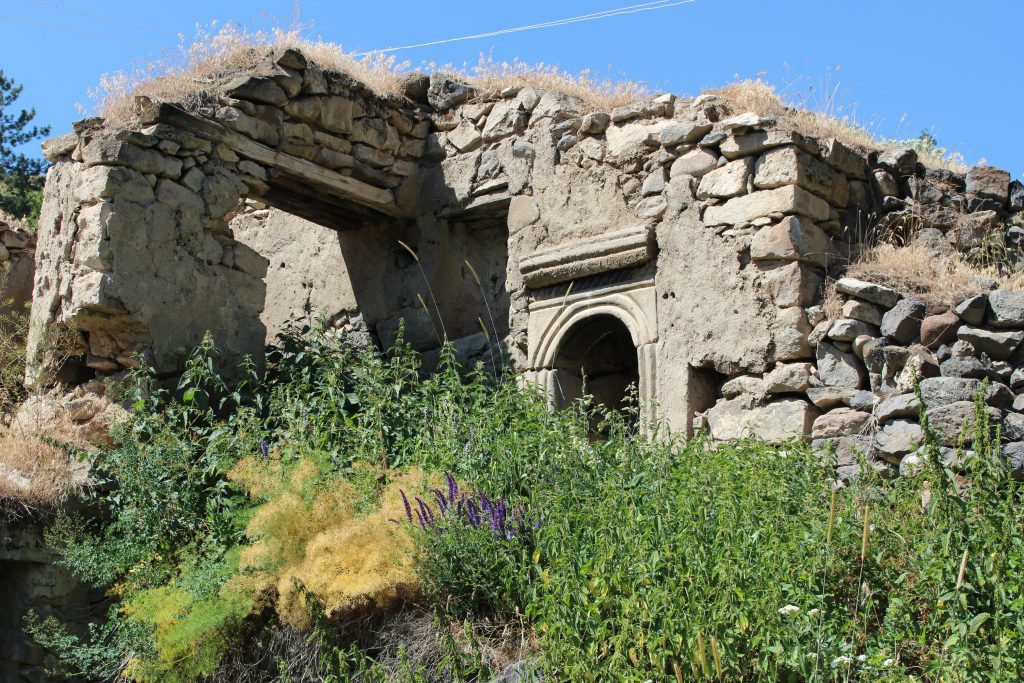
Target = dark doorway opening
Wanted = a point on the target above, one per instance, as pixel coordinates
(598, 356)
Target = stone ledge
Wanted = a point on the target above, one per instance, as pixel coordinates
(616, 250)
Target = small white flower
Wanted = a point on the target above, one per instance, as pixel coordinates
(813, 612)
(888, 662)
(862, 658)
(788, 609)
(841, 660)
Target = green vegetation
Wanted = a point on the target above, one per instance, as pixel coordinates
(21, 177)
(234, 516)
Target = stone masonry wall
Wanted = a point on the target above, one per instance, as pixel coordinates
(295, 192)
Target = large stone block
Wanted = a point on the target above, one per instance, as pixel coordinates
(695, 163)
(728, 181)
(954, 423)
(998, 344)
(885, 297)
(839, 368)
(789, 199)
(791, 239)
(792, 166)
(791, 284)
(937, 330)
(789, 333)
(777, 421)
(897, 438)
(939, 391)
(840, 422)
(734, 147)
(1005, 309)
(843, 159)
(989, 183)
(903, 322)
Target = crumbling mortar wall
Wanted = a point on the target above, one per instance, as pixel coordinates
(718, 226)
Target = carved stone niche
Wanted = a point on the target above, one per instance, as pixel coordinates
(596, 289)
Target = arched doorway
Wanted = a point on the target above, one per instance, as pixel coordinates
(597, 354)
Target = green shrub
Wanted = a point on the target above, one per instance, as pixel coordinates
(654, 560)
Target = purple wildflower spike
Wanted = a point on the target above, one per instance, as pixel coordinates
(264, 448)
(442, 502)
(405, 502)
(453, 487)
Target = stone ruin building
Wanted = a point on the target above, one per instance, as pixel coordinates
(673, 244)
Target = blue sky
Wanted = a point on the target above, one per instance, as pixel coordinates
(952, 68)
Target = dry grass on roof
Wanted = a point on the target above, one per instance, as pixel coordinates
(193, 73)
(826, 119)
(916, 271)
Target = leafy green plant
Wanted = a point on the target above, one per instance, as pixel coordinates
(655, 559)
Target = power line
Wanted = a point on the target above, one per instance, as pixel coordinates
(95, 17)
(81, 33)
(629, 9)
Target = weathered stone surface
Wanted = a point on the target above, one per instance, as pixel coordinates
(555, 105)
(840, 422)
(696, 163)
(954, 423)
(898, 437)
(737, 146)
(826, 397)
(507, 118)
(964, 366)
(780, 420)
(791, 284)
(728, 181)
(257, 89)
(939, 391)
(1006, 309)
(595, 123)
(901, 160)
(118, 153)
(839, 368)
(787, 199)
(863, 311)
(791, 239)
(989, 182)
(788, 378)
(869, 291)
(1013, 427)
(446, 92)
(847, 330)
(972, 310)
(998, 344)
(682, 132)
(55, 148)
(903, 322)
(1016, 196)
(842, 158)
(937, 330)
(901, 405)
(744, 384)
(790, 332)
(792, 166)
(1014, 455)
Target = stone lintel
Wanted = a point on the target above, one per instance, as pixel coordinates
(612, 251)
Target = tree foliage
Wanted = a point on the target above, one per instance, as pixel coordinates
(21, 177)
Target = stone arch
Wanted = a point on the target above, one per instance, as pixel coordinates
(555, 321)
